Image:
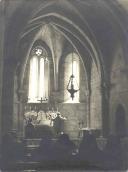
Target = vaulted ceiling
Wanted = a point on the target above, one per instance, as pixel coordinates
(96, 27)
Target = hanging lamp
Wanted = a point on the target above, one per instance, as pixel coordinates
(71, 86)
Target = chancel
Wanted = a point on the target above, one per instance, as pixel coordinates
(63, 85)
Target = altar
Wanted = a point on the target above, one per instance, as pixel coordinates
(43, 123)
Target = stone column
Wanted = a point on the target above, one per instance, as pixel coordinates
(7, 97)
(88, 109)
(15, 106)
(105, 109)
(21, 114)
(2, 28)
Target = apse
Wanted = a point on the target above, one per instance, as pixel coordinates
(50, 61)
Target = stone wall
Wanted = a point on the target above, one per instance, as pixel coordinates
(119, 88)
(74, 113)
(96, 99)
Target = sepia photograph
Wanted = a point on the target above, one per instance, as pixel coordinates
(63, 85)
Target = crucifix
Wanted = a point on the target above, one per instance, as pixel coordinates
(41, 100)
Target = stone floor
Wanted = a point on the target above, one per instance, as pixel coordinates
(29, 166)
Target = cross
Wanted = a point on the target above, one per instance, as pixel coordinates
(41, 100)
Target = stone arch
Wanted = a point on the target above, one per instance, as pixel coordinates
(24, 71)
(80, 38)
(92, 53)
(20, 93)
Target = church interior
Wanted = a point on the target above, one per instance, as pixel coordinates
(63, 85)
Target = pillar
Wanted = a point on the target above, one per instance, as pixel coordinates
(2, 28)
(21, 105)
(105, 109)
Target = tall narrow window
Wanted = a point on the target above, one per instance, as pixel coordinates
(68, 72)
(38, 76)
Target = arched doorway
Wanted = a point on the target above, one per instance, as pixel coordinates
(120, 124)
